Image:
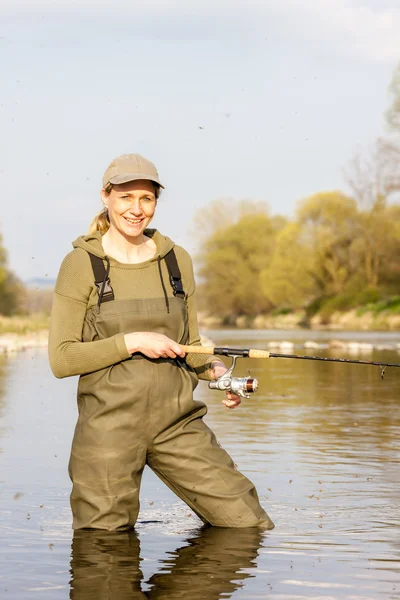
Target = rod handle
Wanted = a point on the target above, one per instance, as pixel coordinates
(197, 349)
(253, 352)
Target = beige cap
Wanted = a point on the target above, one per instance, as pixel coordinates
(129, 167)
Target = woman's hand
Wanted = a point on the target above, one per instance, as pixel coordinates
(217, 369)
(152, 345)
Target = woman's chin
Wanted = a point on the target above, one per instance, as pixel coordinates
(131, 231)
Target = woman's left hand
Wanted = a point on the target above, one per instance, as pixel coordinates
(217, 369)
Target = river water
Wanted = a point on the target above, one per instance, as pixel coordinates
(321, 441)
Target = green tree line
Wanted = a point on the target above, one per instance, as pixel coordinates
(332, 255)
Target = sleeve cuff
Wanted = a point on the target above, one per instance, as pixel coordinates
(204, 372)
(121, 346)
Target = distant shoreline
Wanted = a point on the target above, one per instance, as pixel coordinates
(352, 320)
(13, 343)
(16, 342)
(23, 332)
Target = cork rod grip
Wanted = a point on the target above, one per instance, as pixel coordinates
(198, 349)
(253, 353)
(258, 353)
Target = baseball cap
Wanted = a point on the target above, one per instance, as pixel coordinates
(129, 167)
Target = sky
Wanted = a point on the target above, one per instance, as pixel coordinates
(243, 99)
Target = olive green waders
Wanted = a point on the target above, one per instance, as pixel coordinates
(141, 411)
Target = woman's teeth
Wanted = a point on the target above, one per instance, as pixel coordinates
(133, 221)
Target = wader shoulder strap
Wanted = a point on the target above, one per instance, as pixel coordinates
(101, 278)
(103, 284)
(174, 274)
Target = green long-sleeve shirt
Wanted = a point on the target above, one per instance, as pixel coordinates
(76, 292)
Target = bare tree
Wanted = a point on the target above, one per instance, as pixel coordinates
(389, 159)
(374, 175)
(222, 213)
(393, 112)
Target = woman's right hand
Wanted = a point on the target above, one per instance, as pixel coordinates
(152, 345)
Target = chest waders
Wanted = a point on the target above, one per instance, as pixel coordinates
(141, 411)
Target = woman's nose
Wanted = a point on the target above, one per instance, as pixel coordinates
(136, 208)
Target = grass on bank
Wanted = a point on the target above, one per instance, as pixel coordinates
(389, 305)
(382, 311)
(24, 324)
(367, 302)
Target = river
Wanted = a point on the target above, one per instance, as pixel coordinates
(321, 441)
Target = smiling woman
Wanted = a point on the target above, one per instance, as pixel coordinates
(124, 304)
(130, 207)
(128, 188)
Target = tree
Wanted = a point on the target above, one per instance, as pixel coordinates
(387, 231)
(222, 213)
(12, 295)
(12, 292)
(231, 262)
(286, 280)
(329, 222)
(369, 177)
(389, 145)
(393, 112)
(373, 179)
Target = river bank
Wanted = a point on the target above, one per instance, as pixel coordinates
(21, 333)
(16, 342)
(352, 320)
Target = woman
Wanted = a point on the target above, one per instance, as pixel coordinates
(123, 302)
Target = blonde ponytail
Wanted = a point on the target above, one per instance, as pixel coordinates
(100, 223)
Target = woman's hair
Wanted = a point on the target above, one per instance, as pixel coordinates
(101, 222)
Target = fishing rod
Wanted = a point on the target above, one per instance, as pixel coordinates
(244, 386)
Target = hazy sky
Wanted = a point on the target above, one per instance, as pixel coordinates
(266, 100)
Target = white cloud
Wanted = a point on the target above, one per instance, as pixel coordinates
(367, 29)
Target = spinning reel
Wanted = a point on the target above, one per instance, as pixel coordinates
(242, 386)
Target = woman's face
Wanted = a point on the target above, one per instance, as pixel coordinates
(131, 206)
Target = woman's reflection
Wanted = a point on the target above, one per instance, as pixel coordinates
(106, 565)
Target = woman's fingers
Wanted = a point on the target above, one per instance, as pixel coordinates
(230, 403)
(231, 400)
(178, 350)
(153, 345)
(171, 350)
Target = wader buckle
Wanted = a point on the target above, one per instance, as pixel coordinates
(177, 287)
(108, 293)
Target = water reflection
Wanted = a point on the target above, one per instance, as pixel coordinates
(212, 564)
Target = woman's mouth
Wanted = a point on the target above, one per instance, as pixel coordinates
(133, 221)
